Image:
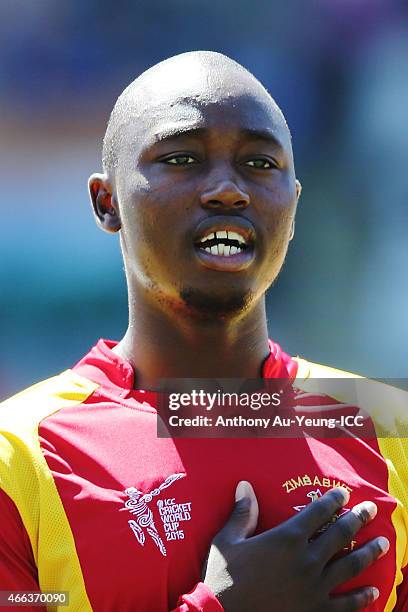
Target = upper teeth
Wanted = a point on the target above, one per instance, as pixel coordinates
(224, 234)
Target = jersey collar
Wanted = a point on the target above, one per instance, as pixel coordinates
(110, 371)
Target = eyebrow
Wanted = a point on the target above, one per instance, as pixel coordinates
(172, 133)
(179, 131)
(264, 134)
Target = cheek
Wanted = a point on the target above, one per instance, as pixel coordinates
(278, 227)
(141, 213)
(277, 222)
(276, 253)
(148, 243)
(277, 208)
(282, 192)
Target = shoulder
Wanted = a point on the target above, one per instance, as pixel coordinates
(384, 402)
(22, 412)
(309, 369)
(24, 474)
(20, 416)
(387, 405)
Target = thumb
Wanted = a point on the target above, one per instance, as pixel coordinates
(244, 517)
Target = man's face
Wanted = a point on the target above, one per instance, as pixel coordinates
(207, 196)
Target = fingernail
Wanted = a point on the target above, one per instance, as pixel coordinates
(242, 490)
(371, 508)
(375, 592)
(345, 493)
(361, 509)
(384, 545)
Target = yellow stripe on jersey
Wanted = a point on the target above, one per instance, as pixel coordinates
(308, 369)
(394, 451)
(388, 407)
(27, 480)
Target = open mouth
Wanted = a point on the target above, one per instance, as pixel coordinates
(225, 243)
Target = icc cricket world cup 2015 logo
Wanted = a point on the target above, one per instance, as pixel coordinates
(137, 504)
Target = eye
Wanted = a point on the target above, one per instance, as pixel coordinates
(260, 163)
(180, 160)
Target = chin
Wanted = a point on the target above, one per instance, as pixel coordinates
(211, 306)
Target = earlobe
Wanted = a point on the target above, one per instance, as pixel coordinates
(298, 192)
(298, 189)
(103, 202)
(292, 231)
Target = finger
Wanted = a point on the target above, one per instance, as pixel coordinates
(244, 517)
(346, 568)
(318, 513)
(341, 533)
(245, 490)
(355, 600)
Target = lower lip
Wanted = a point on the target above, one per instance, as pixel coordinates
(232, 263)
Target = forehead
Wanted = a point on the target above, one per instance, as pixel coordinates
(198, 94)
(227, 113)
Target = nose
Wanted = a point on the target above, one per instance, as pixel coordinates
(227, 194)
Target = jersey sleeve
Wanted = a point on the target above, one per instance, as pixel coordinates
(200, 599)
(18, 571)
(402, 593)
(395, 451)
(387, 407)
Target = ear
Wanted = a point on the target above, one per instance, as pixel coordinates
(298, 192)
(298, 189)
(292, 231)
(104, 204)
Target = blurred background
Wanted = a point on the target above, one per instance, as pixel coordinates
(338, 69)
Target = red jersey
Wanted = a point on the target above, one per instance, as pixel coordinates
(94, 503)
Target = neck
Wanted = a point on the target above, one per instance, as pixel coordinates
(174, 345)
